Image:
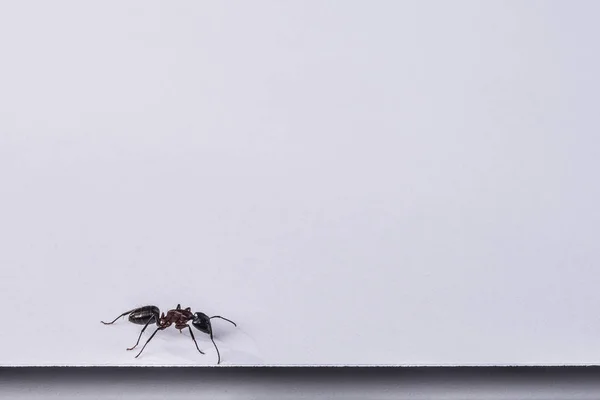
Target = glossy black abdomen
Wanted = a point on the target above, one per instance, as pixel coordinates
(142, 315)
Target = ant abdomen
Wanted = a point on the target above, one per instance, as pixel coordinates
(142, 315)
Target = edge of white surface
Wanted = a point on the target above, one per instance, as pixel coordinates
(305, 383)
(517, 365)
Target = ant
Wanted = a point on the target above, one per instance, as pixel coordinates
(180, 317)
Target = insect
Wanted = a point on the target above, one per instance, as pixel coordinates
(178, 316)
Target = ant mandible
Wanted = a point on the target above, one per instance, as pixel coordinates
(180, 317)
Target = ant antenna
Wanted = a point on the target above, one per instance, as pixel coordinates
(228, 320)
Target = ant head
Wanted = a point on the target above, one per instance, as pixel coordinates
(201, 322)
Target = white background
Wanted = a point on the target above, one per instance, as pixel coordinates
(352, 182)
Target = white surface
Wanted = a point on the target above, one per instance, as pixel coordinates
(352, 182)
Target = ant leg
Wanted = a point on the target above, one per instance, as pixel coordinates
(122, 315)
(148, 341)
(194, 339)
(139, 337)
(228, 320)
(216, 348)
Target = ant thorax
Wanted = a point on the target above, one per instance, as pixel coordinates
(176, 316)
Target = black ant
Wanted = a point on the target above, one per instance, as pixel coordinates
(180, 317)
